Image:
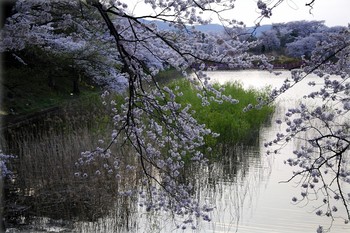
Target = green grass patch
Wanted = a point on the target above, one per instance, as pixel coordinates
(229, 120)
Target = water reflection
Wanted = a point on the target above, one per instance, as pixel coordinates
(272, 209)
(240, 181)
(44, 194)
(237, 174)
(229, 183)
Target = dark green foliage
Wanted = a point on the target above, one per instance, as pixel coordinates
(45, 81)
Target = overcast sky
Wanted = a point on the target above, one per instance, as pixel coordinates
(334, 12)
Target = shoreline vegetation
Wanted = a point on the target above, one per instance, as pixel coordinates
(47, 144)
(41, 86)
(39, 102)
(23, 102)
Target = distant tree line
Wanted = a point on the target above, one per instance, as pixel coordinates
(296, 39)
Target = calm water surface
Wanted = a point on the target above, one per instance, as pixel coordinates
(245, 186)
(246, 190)
(267, 206)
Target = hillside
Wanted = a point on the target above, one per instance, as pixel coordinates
(213, 28)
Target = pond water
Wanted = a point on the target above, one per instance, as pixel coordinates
(244, 186)
(267, 206)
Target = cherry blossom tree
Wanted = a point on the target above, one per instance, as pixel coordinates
(299, 28)
(269, 40)
(305, 43)
(126, 51)
(63, 29)
(320, 125)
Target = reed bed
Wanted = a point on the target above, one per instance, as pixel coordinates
(45, 180)
(45, 183)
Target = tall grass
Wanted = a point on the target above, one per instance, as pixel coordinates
(47, 149)
(229, 120)
(45, 181)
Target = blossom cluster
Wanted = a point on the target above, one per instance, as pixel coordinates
(125, 52)
(320, 125)
(4, 159)
(64, 29)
